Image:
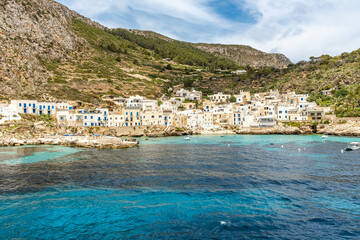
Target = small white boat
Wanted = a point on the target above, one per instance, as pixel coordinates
(187, 137)
(324, 136)
(353, 146)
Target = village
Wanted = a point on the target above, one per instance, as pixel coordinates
(184, 109)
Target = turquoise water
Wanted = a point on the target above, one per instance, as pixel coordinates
(30, 154)
(211, 187)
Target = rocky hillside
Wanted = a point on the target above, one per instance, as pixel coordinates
(241, 54)
(246, 55)
(32, 31)
(49, 52)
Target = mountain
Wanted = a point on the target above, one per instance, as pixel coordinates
(241, 54)
(50, 52)
(246, 55)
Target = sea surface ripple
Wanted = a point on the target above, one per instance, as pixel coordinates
(211, 187)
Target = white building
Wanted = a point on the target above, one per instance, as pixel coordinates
(116, 120)
(135, 101)
(186, 94)
(8, 113)
(93, 118)
(219, 97)
(38, 108)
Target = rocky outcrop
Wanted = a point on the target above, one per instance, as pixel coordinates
(245, 55)
(348, 129)
(40, 133)
(102, 142)
(150, 131)
(272, 130)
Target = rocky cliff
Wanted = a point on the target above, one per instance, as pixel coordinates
(246, 55)
(31, 31)
(241, 54)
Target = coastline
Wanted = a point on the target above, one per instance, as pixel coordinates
(100, 142)
(109, 138)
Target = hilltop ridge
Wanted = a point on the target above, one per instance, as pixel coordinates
(241, 54)
(246, 55)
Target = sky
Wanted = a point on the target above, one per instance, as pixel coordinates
(297, 28)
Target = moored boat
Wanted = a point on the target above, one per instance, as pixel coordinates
(187, 137)
(353, 146)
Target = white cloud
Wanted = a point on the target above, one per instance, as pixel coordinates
(301, 29)
(297, 28)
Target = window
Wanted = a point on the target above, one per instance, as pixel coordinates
(85, 117)
(19, 104)
(34, 105)
(91, 117)
(25, 110)
(34, 111)
(280, 112)
(285, 111)
(85, 124)
(99, 118)
(301, 106)
(24, 105)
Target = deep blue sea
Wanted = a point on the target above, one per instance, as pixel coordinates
(211, 187)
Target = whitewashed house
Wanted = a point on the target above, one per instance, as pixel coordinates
(8, 113)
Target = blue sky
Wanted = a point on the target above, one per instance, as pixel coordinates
(297, 28)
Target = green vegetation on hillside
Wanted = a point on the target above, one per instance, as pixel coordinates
(181, 52)
(340, 75)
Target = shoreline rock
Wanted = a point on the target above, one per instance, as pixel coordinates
(102, 142)
(20, 134)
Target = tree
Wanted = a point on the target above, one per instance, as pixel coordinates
(168, 67)
(232, 99)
